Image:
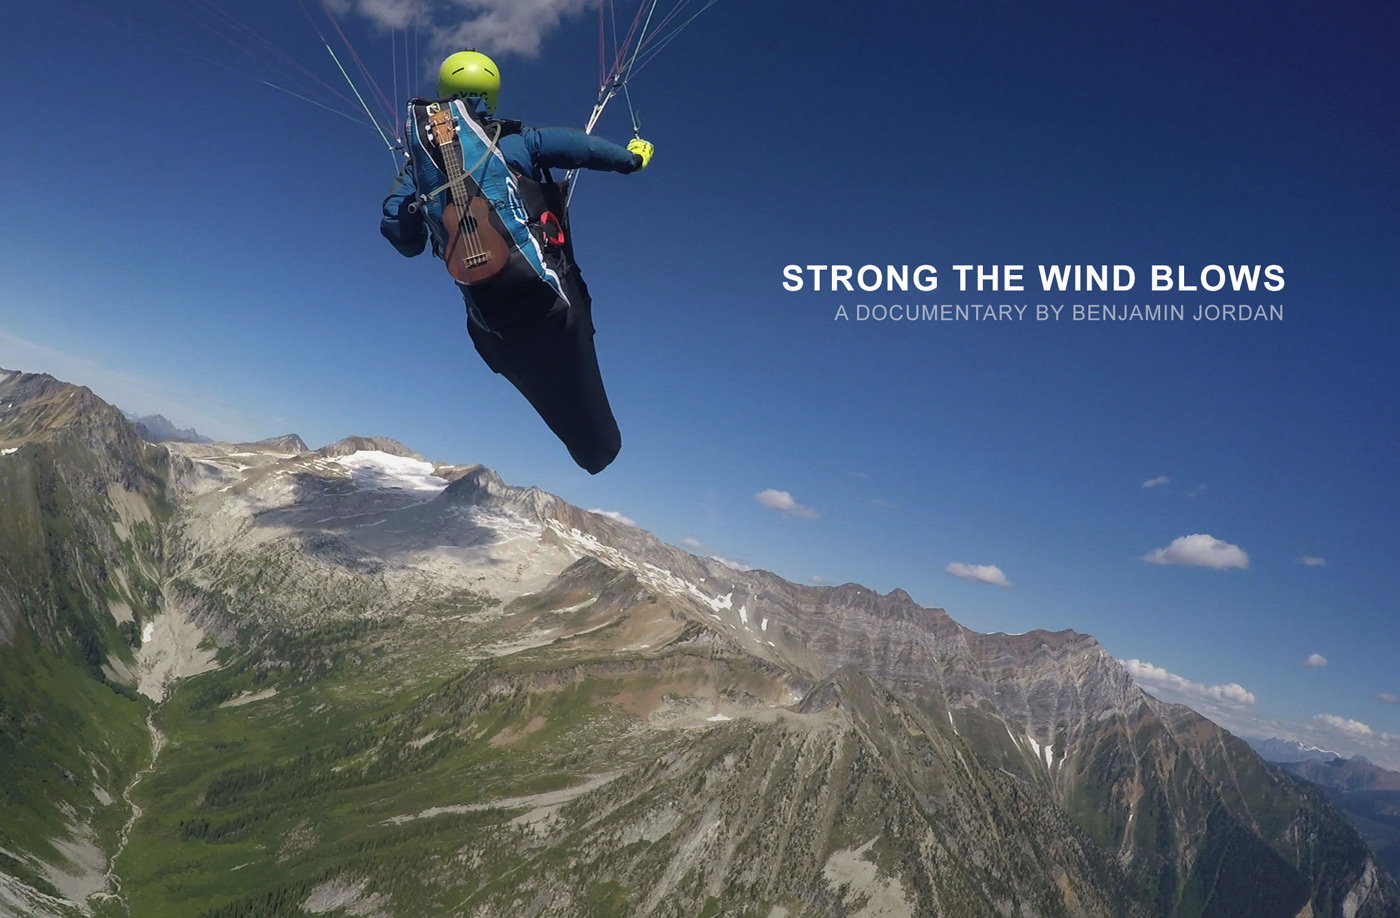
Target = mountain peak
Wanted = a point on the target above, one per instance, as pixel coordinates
(286, 443)
(36, 406)
(351, 445)
(477, 485)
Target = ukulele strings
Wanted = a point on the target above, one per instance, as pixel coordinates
(465, 219)
(461, 196)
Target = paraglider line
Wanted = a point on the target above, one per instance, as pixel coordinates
(334, 111)
(364, 71)
(605, 95)
(636, 124)
(627, 43)
(651, 53)
(136, 29)
(629, 58)
(233, 21)
(362, 101)
(661, 26)
(641, 40)
(351, 83)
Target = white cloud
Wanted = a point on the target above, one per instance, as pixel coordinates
(819, 580)
(614, 515)
(881, 502)
(1156, 676)
(700, 548)
(1354, 727)
(982, 573)
(1388, 698)
(1315, 659)
(1311, 561)
(1156, 482)
(782, 502)
(388, 14)
(493, 26)
(1200, 550)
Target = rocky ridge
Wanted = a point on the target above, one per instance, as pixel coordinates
(726, 740)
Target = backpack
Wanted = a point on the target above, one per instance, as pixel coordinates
(491, 223)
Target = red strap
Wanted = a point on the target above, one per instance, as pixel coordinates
(553, 237)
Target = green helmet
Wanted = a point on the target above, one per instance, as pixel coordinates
(470, 75)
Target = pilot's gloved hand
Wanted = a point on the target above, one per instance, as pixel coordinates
(642, 150)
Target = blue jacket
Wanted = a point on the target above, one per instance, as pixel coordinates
(531, 151)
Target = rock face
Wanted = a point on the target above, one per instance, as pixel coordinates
(1368, 794)
(441, 694)
(82, 500)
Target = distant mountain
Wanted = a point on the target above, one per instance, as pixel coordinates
(259, 680)
(156, 428)
(287, 443)
(351, 445)
(1282, 751)
(1355, 774)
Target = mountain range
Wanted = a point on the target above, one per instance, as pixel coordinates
(259, 679)
(1276, 749)
(156, 428)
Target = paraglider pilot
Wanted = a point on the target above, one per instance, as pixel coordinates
(479, 189)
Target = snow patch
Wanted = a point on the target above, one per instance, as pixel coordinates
(1041, 752)
(719, 717)
(380, 471)
(743, 612)
(6, 452)
(764, 626)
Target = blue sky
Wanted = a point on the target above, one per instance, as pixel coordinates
(184, 239)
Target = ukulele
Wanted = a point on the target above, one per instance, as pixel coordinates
(476, 252)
